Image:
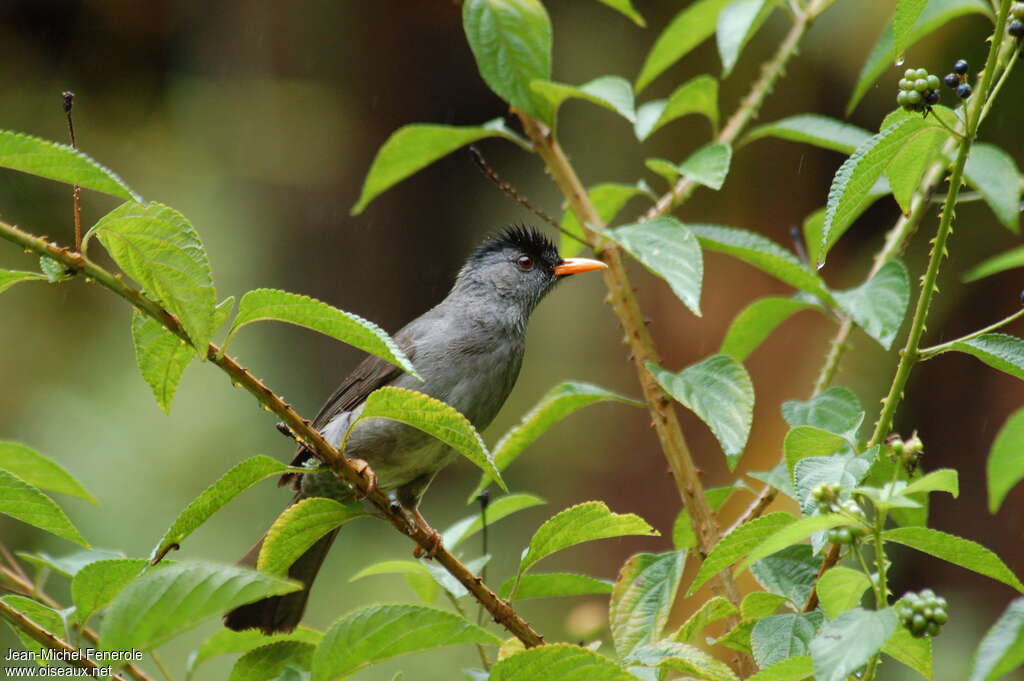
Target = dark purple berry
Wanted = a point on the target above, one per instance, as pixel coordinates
(960, 67)
(932, 97)
(952, 80)
(1017, 29)
(963, 91)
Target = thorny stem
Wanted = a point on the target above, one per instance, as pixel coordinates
(499, 609)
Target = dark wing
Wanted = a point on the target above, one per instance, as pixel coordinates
(372, 373)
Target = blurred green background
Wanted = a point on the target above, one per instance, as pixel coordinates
(259, 119)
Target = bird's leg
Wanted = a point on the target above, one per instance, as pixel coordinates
(435, 536)
(283, 428)
(364, 470)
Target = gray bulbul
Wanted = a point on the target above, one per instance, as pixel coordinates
(468, 349)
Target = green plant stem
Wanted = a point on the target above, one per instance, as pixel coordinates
(930, 352)
(1014, 57)
(161, 666)
(500, 610)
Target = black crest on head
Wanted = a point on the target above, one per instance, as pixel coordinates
(524, 239)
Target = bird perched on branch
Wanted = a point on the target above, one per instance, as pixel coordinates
(468, 349)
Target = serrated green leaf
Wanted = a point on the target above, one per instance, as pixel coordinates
(611, 92)
(681, 657)
(298, 528)
(718, 390)
(998, 350)
(998, 263)
(433, 417)
(584, 522)
(956, 550)
(737, 544)
(711, 611)
(993, 172)
(264, 304)
(1005, 467)
(762, 253)
(907, 12)
(158, 247)
(1002, 649)
(791, 572)
(98, 583)
(779, 637)
(907, 168)
(53, 271)
(173, 598)
(777, 477)
(416, 575)
(44, 616)
(758, 604)
(226, 641)
(626, 8)
(683, 536)
(608, 198)
(836, 410)
(841, 589)
(511, 41)
(689, 28)
(496, 510)
(39, 471)
(804, 442)
(669, 251)
(737, 24)
(558, 403)
(793, 669)
(696, 96)
(942, 480)
(24, 502)
(270, 660)
(59, 162)
(9, 278)
(709, 165)
(161, 357)
(379, 632)
(916, 653)
(879, 304)
(445, 579)
(813, 226)
(821, 131)
(67, 565)
(846, 643)
(239, 478)
(642, 598)
(791, 534)
(884, 54)
(845, 469)
(558, 662)
(555, 584)
(756, 322)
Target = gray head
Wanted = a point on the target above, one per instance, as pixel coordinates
(515, 269)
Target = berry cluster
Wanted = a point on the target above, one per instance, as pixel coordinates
(907, 452)
(827, 497)
(918, 90)
(957, 80)
(922, 613)
(1017, 25)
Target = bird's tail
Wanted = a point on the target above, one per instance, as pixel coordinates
(281, 613)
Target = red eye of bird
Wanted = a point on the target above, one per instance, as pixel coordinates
(525, 262)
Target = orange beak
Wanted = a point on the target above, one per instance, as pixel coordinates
(577, 265)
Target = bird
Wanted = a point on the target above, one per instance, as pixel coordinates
(468, 349)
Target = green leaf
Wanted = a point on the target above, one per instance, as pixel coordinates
(53, 271)
(642, 598)
(791, 572)
(998, 350)
(845, 469)
(626, 7)
(841, 589)
(689, 28)
(412, 148)
(269, 661)
(239, 478)
(885, 52)
(157, 246)
(711, 611)
(709, 165)
(171, 599)
(907, 12)
(879, 304)
(681, 657)
(718, 390)
(998, 263)
(581, 523)
(1005, 467)
(737, 544)
(67, 565)
(496, 510)
(558, 662)
(379, 632)
(755, 323)
(161, 356)
(511, 40)
(762, 253)
(791, 534)
(804, 442)
(24, 502)
(265, 304)
(555, 584)
(836, 410)
(37, 470)
(793, 669)
(416, 575)
(669, 251)
(226, 641)
(994, 174)
(444, 578)
(737, 24)
(916, 653)
(611, 92)
(44, 616)
(9, 278)
(907, 168)
(821, 131)
(696, 96)
(813, 226)
(846, 643)
(683, 536)
(955, 550)
(608, 199)
(778, 637)
(1002, 649)
(942, 480)
(433, 417)
(298, 528)
(561, 401)
(59, 162)
(98, 583)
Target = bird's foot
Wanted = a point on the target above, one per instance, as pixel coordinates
(365, 472)
(435, 536)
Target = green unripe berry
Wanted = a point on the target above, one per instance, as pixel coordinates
(926, 593)
(918, 624)
(933, 82)
(910, 74)
(932, 629)
(1017, 10)
(940, 602)
(940, 616)
(905, 84)
(921, 84)
(914, 97)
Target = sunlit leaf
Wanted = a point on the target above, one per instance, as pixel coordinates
(696, 96)
(779, 637)
(689, 28)
(791, 534)
(39, 471)
(681, 657)
(9, 278)
(737, 544)
(841, 589)
(558, 662)
(611, 92)
(956, 550)
(711, 611)
(793, 669)
(269, 661)
(24, 502)
(642, 598)
(846, 643)
(555, 584)
(907, 12)
(98, 583)
(299, 527)
(226, 641)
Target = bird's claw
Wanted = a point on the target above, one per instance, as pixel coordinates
(365, 472)
(435, 537)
